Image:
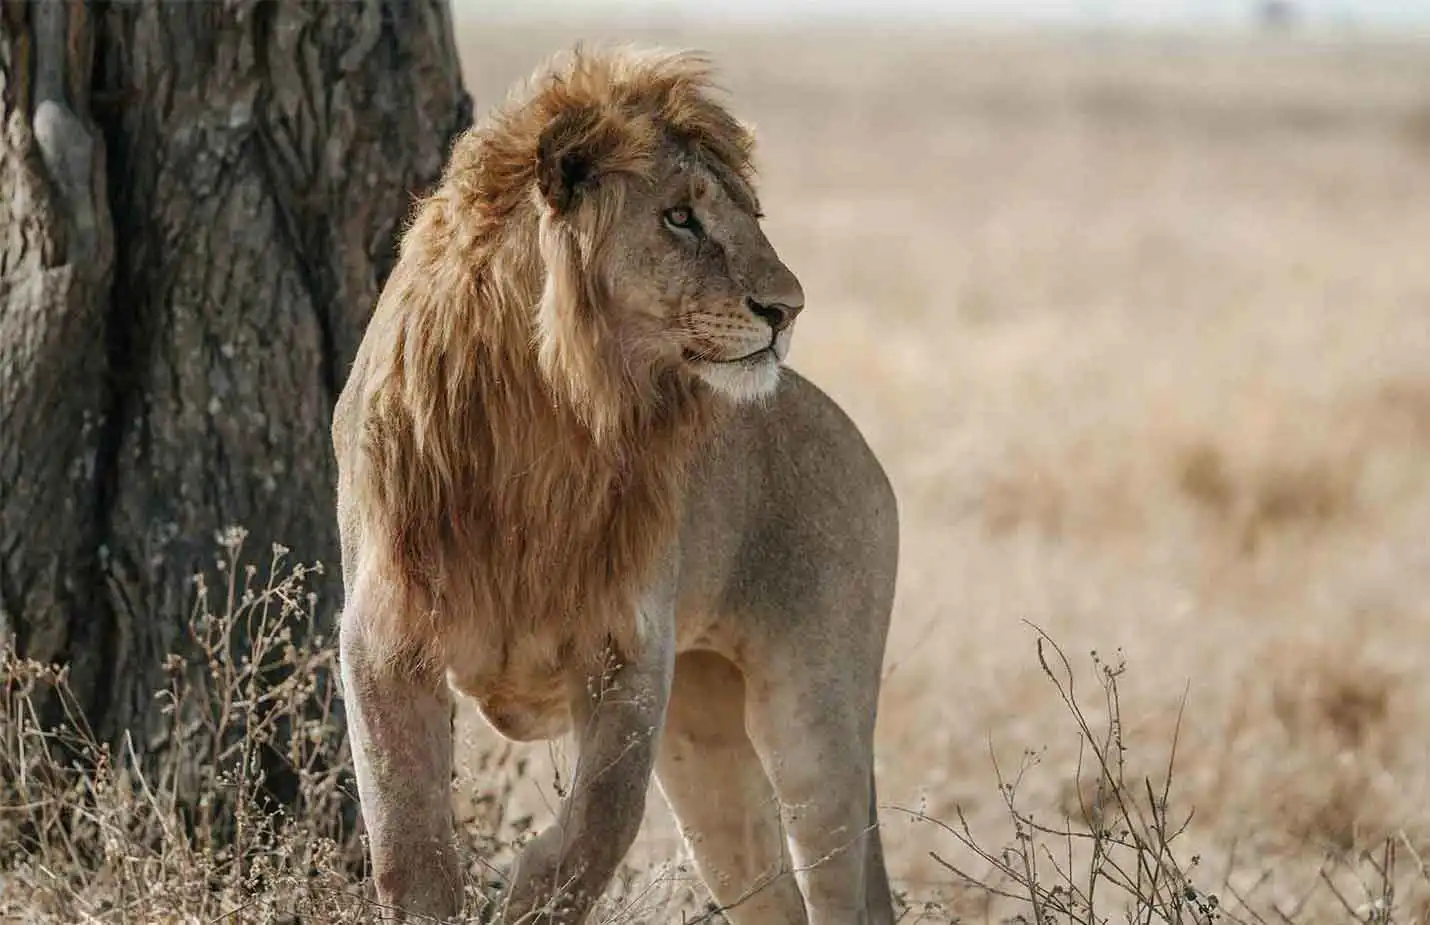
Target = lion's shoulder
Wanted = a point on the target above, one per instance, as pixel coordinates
(796, 453)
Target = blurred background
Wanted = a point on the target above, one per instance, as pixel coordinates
(1132, 297)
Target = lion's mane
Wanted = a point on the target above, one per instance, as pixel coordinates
(513, 479)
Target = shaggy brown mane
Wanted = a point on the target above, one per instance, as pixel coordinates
(516, 480)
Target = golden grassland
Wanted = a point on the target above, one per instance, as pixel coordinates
(1141, 330)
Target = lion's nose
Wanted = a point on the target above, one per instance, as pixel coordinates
(779, 315)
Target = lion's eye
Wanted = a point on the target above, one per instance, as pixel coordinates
(681, 217)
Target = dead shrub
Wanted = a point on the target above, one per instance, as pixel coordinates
(1117, 854)
(189, 833)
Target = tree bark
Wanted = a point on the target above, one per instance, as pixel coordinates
(198, 207)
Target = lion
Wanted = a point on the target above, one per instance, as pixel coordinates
(578, 485)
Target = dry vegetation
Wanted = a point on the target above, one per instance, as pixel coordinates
(1142, 332)
(91, 833)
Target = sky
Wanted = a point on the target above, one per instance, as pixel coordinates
(1384, 14)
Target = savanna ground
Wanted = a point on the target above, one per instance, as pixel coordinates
(1141, 330)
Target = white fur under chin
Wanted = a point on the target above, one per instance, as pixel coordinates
(742, 382)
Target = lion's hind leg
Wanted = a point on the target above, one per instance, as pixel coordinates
(714, 782)
(814, 734)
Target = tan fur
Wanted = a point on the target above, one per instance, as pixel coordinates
(552, 481)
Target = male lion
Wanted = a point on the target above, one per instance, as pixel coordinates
(559, 495)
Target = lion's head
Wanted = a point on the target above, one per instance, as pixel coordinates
(661, 197)
(653, 263)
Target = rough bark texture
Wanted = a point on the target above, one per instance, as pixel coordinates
(198, 207)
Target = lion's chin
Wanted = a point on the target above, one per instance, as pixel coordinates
(742, 380)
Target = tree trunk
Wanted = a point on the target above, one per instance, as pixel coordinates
(198, 208)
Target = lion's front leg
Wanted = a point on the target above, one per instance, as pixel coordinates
(400, 732)
(618, 713)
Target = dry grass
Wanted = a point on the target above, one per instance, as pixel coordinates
(1141, 330)
(95, 834)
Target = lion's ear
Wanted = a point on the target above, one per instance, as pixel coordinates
(583, 146)
(567, 157)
